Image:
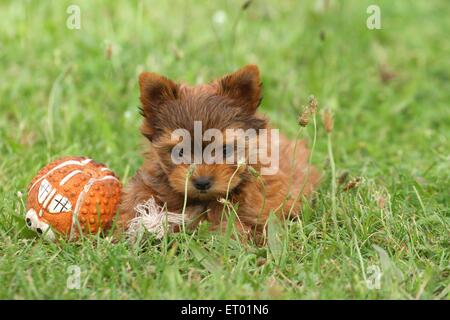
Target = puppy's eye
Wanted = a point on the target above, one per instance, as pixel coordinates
(227, 151)
(177, 152)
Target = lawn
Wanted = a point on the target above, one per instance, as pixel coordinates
(74, 92)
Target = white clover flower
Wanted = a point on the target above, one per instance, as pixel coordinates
(219, 17)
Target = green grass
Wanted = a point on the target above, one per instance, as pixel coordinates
(61, 95)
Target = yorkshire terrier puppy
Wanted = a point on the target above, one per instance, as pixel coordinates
(216, 188)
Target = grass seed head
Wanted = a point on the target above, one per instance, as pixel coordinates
(327, 118)
(109, 51)
(312, 104)
(224, 201)
(381, 202)
(303, 118)
(353, 184)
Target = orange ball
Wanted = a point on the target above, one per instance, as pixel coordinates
(70, 196)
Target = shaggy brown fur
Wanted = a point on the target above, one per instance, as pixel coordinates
(228, 102)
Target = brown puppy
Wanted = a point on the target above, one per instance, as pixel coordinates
(226, 103)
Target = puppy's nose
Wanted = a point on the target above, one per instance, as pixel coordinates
(202, 183)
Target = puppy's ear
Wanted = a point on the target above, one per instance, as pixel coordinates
(155, 91)
(244, 86)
